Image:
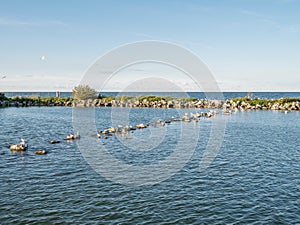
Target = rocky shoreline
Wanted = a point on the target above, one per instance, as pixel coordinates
(35, 101)
(235, 104)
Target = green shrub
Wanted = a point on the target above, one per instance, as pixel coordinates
(84, 92)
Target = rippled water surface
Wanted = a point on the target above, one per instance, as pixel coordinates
(254, 179)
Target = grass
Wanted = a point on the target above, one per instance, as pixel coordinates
(265, 102)
(148, 98)
(46, 100)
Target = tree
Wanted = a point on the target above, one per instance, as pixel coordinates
(84, 92)
(2, 96)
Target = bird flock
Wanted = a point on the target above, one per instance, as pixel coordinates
(123, 130)
(23, 146)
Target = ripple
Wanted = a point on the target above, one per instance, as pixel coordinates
(254, 179)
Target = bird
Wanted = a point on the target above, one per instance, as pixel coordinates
(73, 136)
(22, 146)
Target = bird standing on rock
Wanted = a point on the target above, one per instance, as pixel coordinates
(22, 146)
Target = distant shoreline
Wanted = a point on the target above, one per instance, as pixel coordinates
(198, 95)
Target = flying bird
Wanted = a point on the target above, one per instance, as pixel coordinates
(43, 57)
(3, 77)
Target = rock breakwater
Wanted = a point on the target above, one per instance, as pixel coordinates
(234, 104)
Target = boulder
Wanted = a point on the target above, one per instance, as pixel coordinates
(258, 106)
(140, 126)
(40, 152)
(275, 106)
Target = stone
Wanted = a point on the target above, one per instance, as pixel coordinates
(40, 152)
(140, 126)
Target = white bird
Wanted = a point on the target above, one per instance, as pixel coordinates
(43, 57)
(22, 141)
(22, 146)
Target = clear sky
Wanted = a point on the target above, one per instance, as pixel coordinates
(249, 45)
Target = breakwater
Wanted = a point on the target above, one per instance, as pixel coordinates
(35, 101)
(234, 104)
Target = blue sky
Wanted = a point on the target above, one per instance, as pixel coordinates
(249, 45)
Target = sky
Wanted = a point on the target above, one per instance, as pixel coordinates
(249, 45)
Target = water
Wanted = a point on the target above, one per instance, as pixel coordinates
(37, 93)
(253, 180)
(200, 95)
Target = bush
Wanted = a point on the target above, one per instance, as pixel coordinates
(2, 96)
(124, 98)
(84, 92)
(101, 96)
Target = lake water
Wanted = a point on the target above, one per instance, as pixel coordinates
(200, 95)
(253, 180)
